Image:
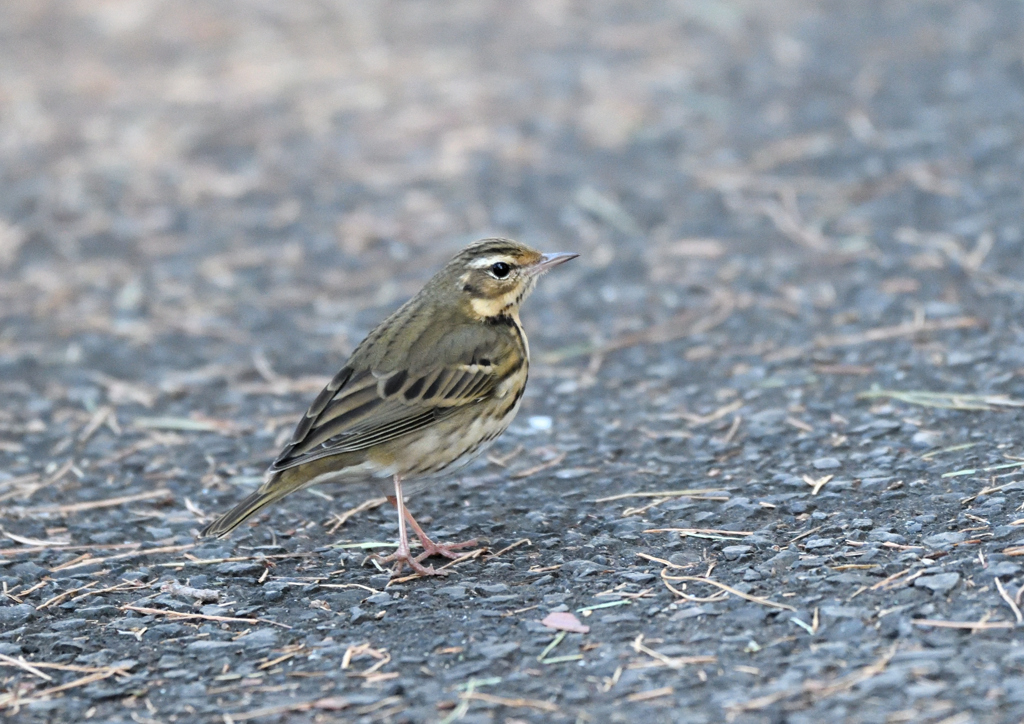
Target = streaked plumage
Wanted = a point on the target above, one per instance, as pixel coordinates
(433, 385)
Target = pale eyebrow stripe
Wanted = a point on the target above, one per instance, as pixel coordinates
(489, 260)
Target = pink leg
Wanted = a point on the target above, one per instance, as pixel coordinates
(430, 548)
(403, 555)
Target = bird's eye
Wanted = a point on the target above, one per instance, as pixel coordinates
(500, 269)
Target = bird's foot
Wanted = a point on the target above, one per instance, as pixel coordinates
(403, 557)
(430, 548)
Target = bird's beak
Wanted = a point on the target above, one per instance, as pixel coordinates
(549, 261)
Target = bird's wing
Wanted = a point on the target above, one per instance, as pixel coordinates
(360, 408)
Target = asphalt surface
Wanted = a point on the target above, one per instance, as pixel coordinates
(793, 337)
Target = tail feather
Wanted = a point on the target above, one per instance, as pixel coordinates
(268, 493)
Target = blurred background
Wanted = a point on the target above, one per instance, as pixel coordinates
(203, 194)
(205, 205)
(200, 193)
(259, 173)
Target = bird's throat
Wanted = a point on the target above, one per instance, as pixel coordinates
(487, 308)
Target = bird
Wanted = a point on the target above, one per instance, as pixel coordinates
(429, 389)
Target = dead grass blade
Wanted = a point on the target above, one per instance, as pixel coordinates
(365, 649)
(519, 703)
(340, 519)
(672, 662)
(969, 625)
(187, 424)
(989, 469)
(650, 694)
(13, 699)
(199, 616)
(506, 549)
(90, 505)
(25, 666)
(726, 588)
(331, 703)
(696, 420)
(944, 400)
(709, 533)
(667, 564)
(34, 542)
(88, 560)
(662, 494)
(879, 334)
(539, 468)
(1009, 601)
(66, 594)
(817, 484)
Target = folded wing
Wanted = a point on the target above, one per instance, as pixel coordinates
(361, 408)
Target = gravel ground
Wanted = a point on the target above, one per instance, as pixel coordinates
(769, 456)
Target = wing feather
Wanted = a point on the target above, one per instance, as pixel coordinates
(361, 408)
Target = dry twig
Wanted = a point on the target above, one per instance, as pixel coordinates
(724, 587)
(538, 468)
(944, 400)
(199, 616)
(92, 504)
(650, 694)
(331, 703)
(340, 519)
(662, 494)
(970, 625)
(672, 662)
(906, 329)
(1009, 601)
(24, 665)
(518, 703)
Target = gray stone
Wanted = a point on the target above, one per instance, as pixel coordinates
(814, 543)
(492, 588)
(260, 639)
(1002, 569)
(944, 540)
(239, 568)
(927, 438)
(734, 553)
(207, 645)
(455, 593)
(17, 614)
(941, 583)
(880, 535)
(845, 611)
(496, 651)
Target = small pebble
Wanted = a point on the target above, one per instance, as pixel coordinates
(541, 423)
(941, 584)
(734, 553)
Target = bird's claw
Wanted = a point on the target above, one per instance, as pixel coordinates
(405, 557)
(430, 548)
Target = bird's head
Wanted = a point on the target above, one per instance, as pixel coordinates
(494, 276)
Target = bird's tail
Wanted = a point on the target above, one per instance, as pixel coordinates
(270, 492)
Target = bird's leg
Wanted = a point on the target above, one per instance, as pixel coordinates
(430, 548)
(403, 556)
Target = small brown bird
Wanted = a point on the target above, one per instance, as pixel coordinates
(432, 386)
